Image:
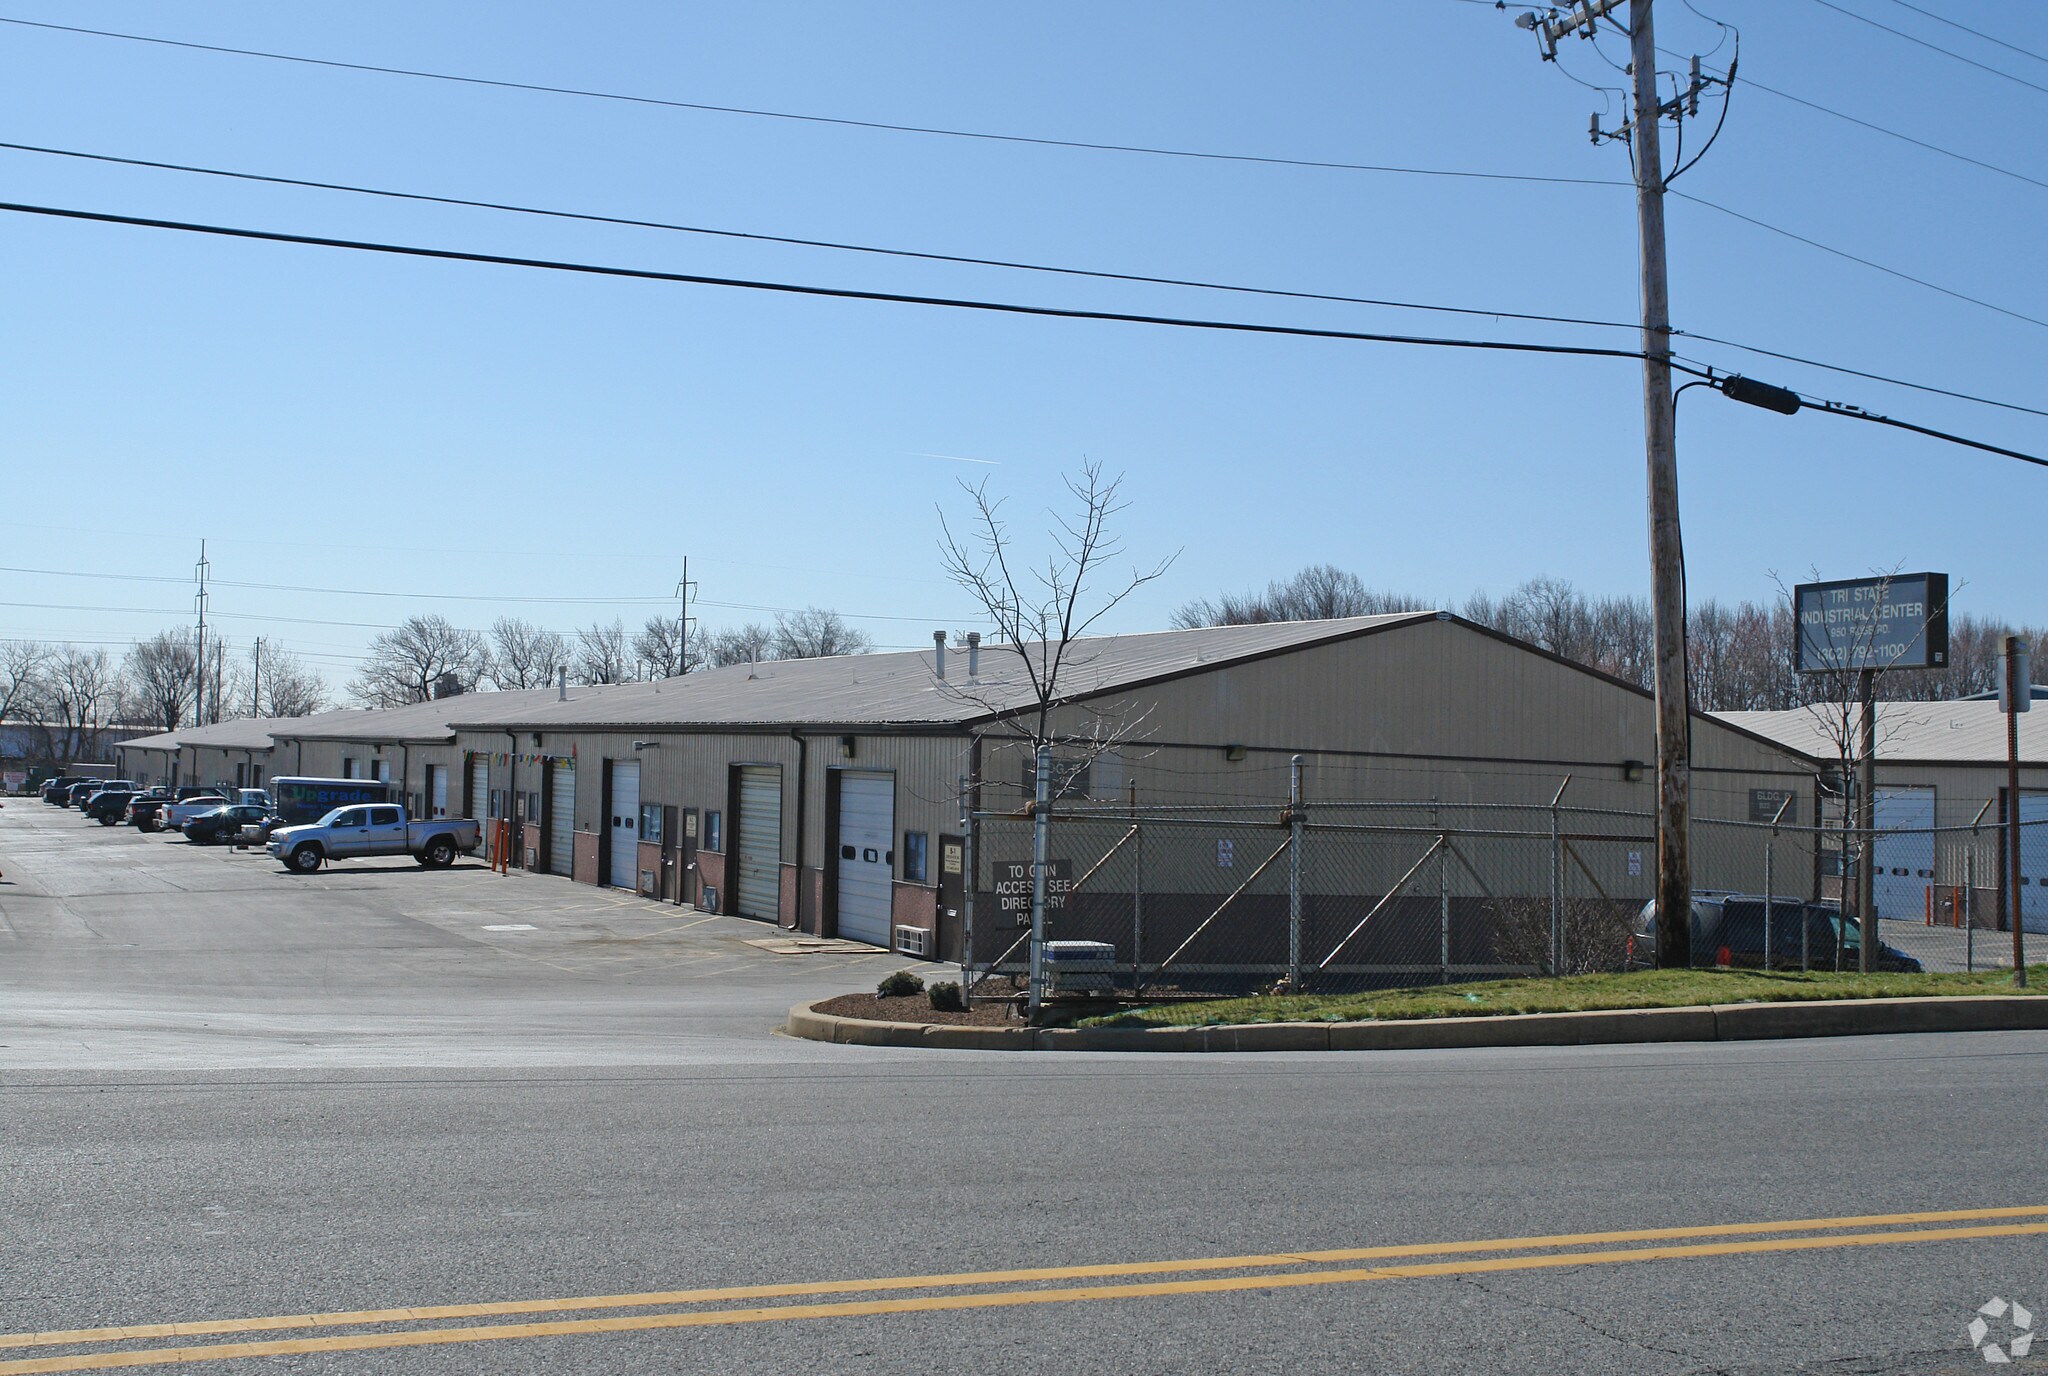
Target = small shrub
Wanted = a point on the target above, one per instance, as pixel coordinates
(945, 997)
(899, 985)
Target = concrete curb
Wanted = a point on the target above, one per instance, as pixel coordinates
(1719, 1022)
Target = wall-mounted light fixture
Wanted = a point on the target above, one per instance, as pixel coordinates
(536, 738)
(1632, 770)
(1233, 753)
(646, 745)
(846, 746)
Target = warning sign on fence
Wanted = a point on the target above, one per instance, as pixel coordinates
(1013, 886)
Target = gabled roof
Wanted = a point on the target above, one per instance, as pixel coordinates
(901, 690)
(1933, 733)
(243, 733)
(430, 722)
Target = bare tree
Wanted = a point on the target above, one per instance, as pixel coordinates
(815, 633)
(525, 655)
(74, 702)
(738, 645)
(1319, 592)
(284, 686)
(601, 655)
(1042, 605)
(23, 665)
(160, 673)
(659, 647)
(406, 663)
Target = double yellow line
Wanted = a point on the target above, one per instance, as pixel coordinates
(983, 1289)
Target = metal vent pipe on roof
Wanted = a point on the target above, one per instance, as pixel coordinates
(939, 655)
(562, 682)
(973, 654)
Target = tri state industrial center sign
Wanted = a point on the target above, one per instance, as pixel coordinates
(1895, 622)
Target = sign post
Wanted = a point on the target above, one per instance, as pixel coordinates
(2017, 683)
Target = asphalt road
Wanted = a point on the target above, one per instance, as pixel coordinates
(233, 1097)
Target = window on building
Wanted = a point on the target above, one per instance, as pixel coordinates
(533, 806)
(255, 776)
(714, 831)
(913, 856)
(650, 822)
(492, 805)
(348, 767)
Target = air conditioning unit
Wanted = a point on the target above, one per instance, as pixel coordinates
(1080, 967)
(914, 941)
(532, 858)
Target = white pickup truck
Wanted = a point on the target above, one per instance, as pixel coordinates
(351, 833)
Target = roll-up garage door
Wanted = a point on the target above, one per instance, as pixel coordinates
(562, 817)
(1904, 852)
(758, 846)
(479, 786)
(2033, 862)
(866, 865)
(625, 822)
(437, 790)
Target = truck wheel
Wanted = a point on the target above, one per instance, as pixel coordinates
(304, 859)
(106, 819)
(439, 854)
(146, 824)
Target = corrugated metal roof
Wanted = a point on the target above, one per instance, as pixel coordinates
(1919, 732)
(431, 721)
(901, 690)
(243, 733)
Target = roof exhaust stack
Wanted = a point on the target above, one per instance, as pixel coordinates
(939, 655)
(973, 654)
(562, 683)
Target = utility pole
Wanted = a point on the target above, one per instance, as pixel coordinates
(1660, 444)
(1667, 556)
(256, 679)
(2019, 693)
(683, 590)
(199, 666)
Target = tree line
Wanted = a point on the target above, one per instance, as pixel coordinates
(1740, 653)
(69, 698)
(429, 657)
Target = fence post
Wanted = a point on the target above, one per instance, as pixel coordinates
(966, 889)
(1294, 878)
(1770, 892)
(1040, 818)
(1557, 883)
(1443, 898)
(1137, 896)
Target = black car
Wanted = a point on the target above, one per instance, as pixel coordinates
(224, 823)
(109, 805)
(76, 795)
(1728, 929)
(58, 790)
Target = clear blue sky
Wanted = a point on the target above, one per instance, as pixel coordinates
(353, 421)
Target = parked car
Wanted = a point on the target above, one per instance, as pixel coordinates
(352, 833)
(57, 791)
(175, 815)
(85, 788)
(109, 805)
(1734, 923)
(223, 824)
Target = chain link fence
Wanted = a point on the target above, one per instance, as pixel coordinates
(1343, 897)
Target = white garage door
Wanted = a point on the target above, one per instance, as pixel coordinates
(1905, 853)
(867, 819)
(757, 848)
(479, 786)
(437, 790)
(625, 821)
(2034, 863)
(562, 817)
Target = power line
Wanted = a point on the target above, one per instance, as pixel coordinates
(1933, 47)
(1975, 33)
(629, 222)
(999, 263)
(800, 289)
(842, 121)
(1854, 258)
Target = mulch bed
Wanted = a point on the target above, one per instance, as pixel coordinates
(918, 1008)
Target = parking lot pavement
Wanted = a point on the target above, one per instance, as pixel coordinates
(128, 949)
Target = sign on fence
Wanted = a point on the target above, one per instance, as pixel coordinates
(1872, 623)
(1013, 887)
